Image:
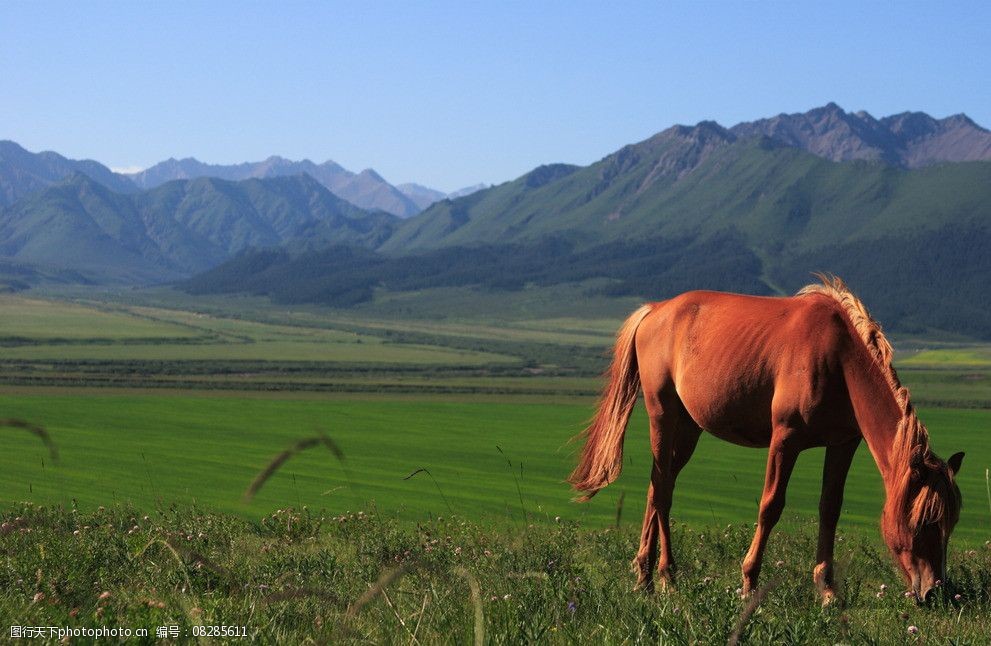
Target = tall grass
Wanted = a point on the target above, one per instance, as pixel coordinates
(295, 576)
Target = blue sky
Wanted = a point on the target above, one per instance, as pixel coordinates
(450, 94)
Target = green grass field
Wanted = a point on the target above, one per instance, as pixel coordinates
(168, 407)
(491, 461)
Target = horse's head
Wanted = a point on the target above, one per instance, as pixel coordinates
(918, 524)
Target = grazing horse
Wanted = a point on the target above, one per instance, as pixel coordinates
(784, 373)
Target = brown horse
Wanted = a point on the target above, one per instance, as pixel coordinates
(784, 373)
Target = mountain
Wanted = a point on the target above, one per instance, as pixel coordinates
(421, 195)
(467, 190)
(909, 139)
(177, 229)
(565, 199)
(424, 197)
(692, 207)
(707, 178)
(367, 189)
(23, 173)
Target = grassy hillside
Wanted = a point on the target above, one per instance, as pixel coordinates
(779, 198)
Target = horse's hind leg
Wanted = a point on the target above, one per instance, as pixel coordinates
(834, 472)
(673, 436)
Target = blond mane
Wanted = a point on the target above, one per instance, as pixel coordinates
(910, 446)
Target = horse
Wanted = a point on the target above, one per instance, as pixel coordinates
(786, 373)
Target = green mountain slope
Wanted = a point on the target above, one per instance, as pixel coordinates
(177, 229)
(691, 208)
(702, 181)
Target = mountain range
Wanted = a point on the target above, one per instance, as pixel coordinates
(366, 189)
(900, 206)
(178, 228)
(23, 173)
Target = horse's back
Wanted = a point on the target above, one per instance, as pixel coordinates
(739, 362)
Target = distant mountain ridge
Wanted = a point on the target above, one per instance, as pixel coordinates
(367, 189)
(23, 173)
(909, 139)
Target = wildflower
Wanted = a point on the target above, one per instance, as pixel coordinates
(779, 563)
(506, 597)
(40, 596)
(572, 607)
(487, 552)
(957, 597)
(105, 594)
(913, 630)
(884, 587)
(557, 519)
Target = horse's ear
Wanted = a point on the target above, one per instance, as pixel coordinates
(954, 463)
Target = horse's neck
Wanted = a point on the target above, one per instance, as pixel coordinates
(875, 408)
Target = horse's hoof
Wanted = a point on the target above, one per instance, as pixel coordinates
(828, 598)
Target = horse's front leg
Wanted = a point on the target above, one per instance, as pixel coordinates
(780, 461)
(834, 472)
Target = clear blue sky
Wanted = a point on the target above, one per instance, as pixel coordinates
(450, 94)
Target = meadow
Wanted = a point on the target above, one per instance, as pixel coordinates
(455, 429)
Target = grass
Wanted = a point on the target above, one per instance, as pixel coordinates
(447, 518)
(499, 461)
(971, 357)
(313, 350)
(46, 319)
(297, 576)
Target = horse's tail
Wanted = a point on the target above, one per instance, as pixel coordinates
(602, 458)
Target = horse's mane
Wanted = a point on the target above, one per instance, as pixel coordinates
(911, 443)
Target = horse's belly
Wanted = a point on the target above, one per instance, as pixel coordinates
(743, 418)
(742, 437)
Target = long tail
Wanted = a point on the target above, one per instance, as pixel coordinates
(602, 458)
